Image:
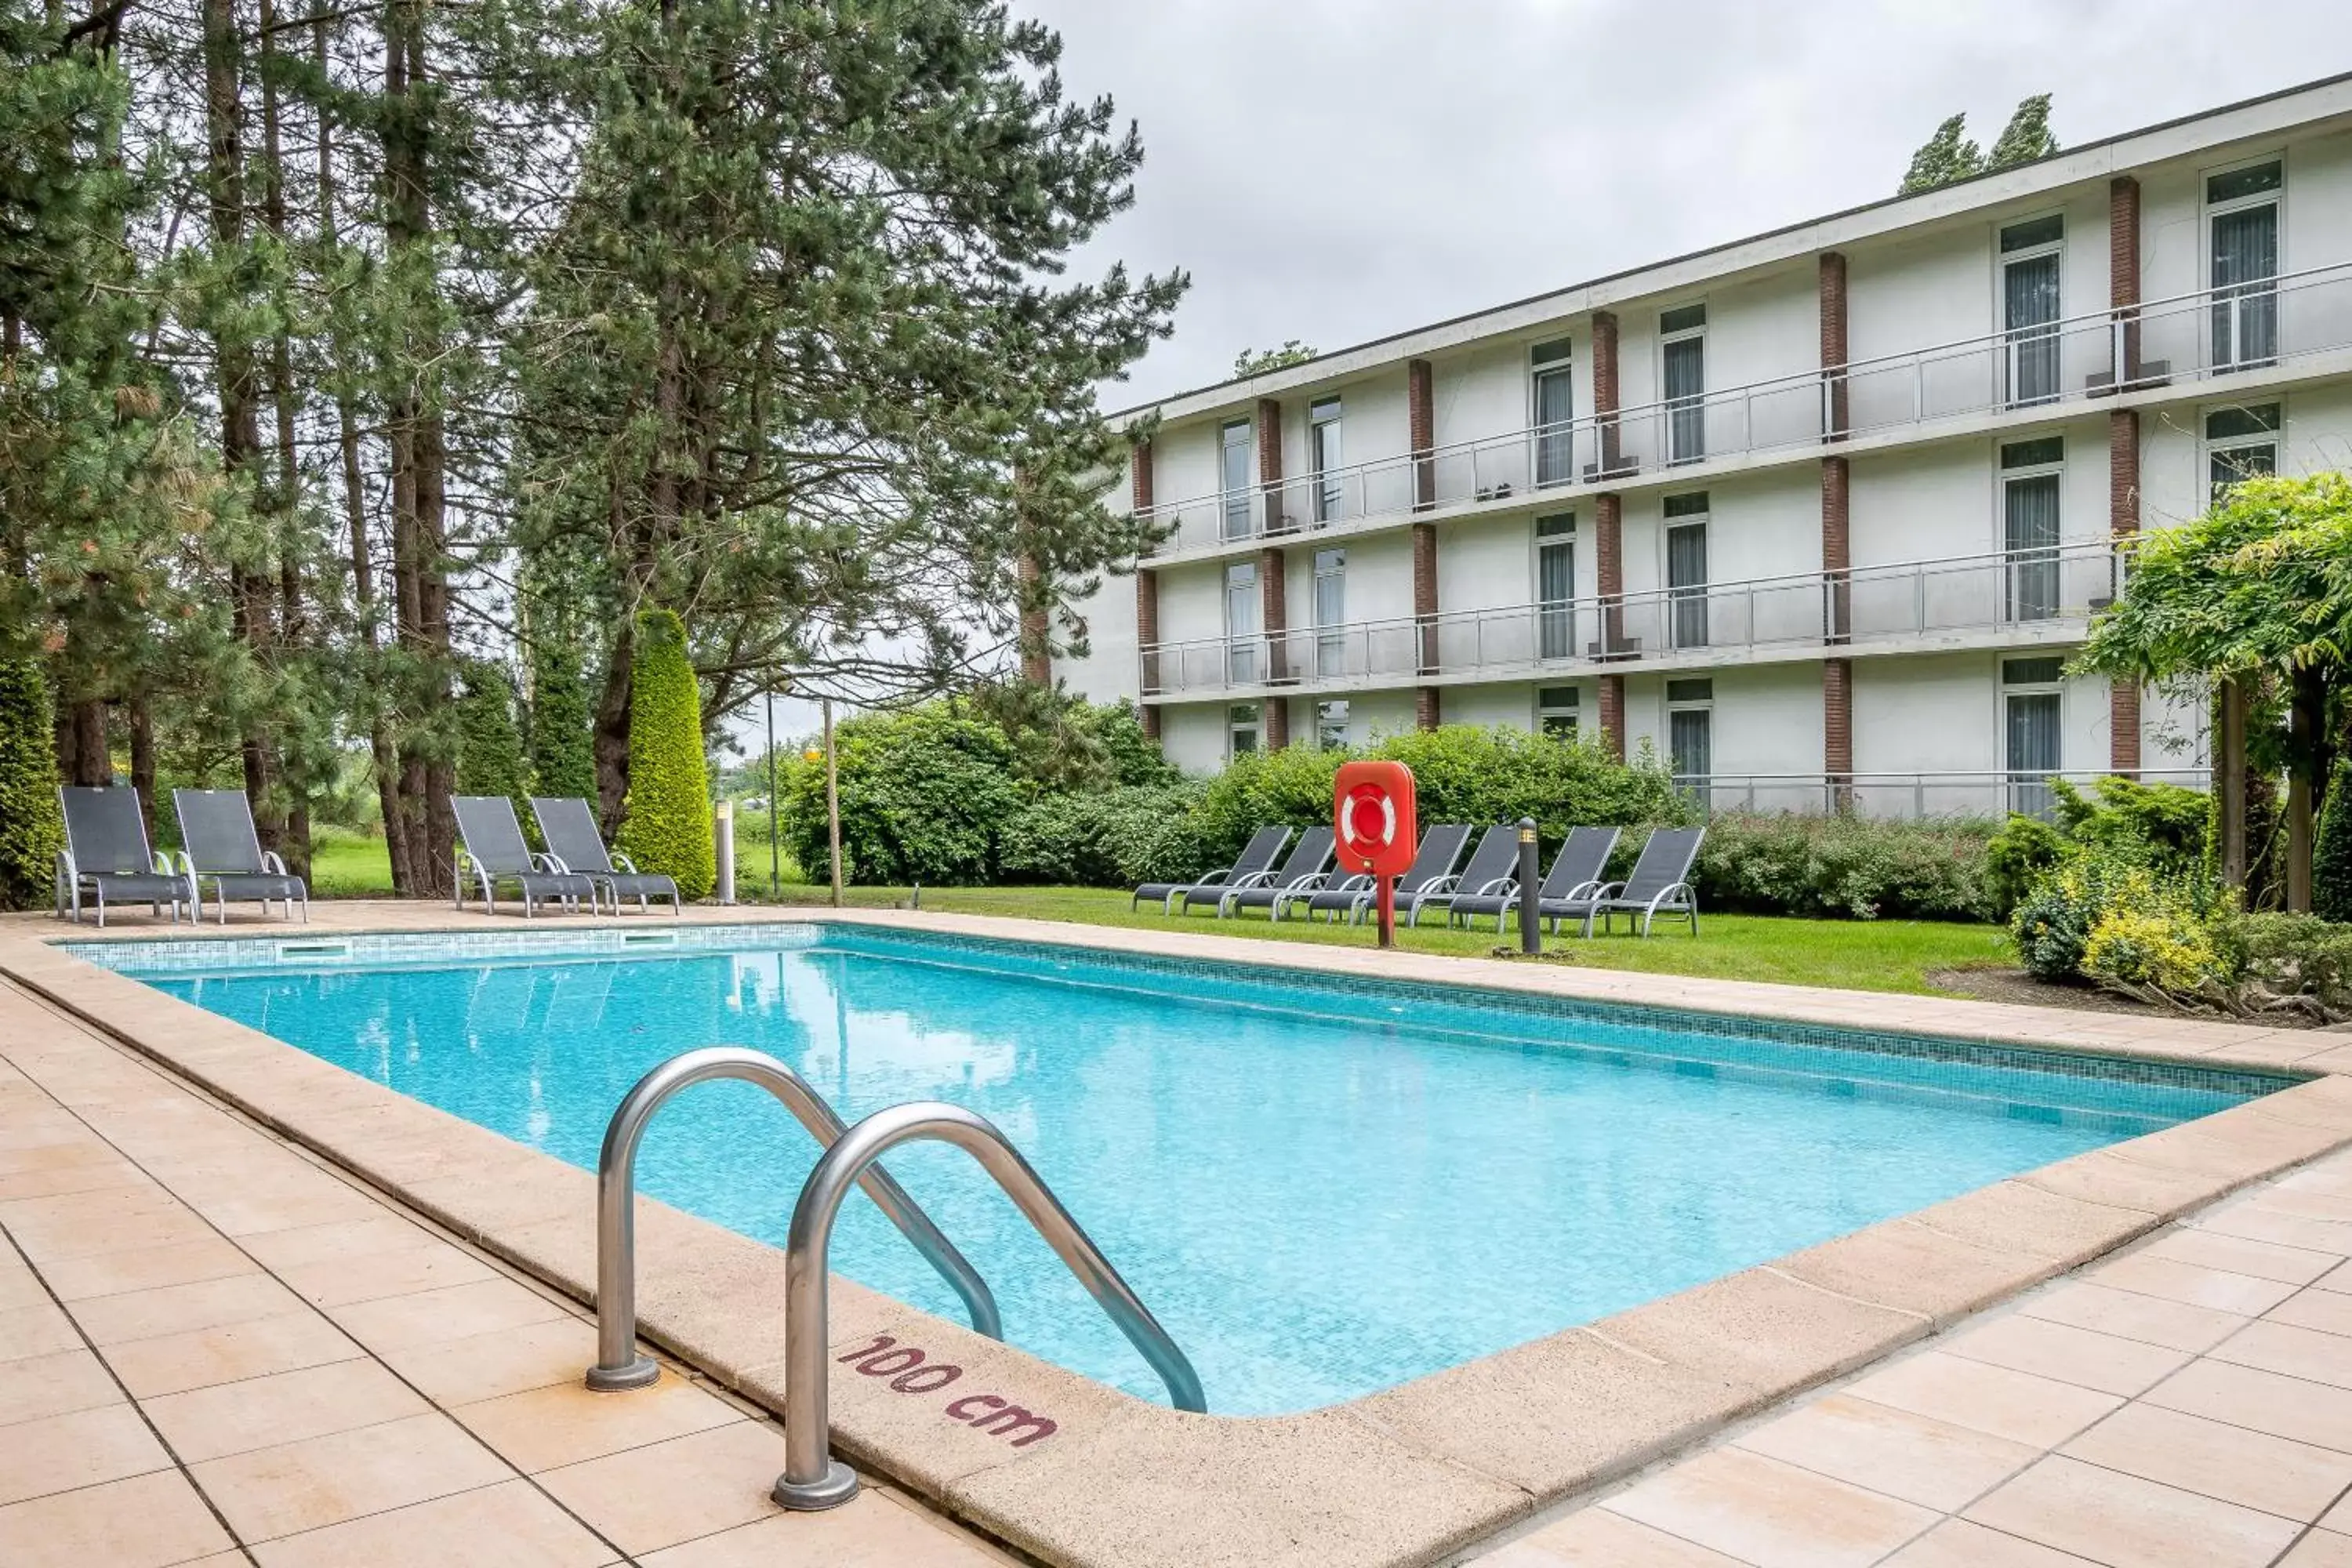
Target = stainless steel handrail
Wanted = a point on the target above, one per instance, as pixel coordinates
(812, 1480)
(618, 1364)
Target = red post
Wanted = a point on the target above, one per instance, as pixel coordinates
(1387, 901)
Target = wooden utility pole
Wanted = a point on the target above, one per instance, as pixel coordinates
(832, 805)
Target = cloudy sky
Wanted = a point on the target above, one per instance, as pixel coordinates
(1338, 169)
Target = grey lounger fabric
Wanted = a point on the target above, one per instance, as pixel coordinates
(1576, 872)
(494, 852)
(107, 856)
(219, 845)
(1441, 851)
(1491, 869)
(1309, 868)
(568, 829)
(1660, 884)
(1263, 847)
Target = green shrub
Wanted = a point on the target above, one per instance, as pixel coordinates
(2161, 825)
(2331, 857)
(924, 796)
(32, 831)
(2150, 941)
(2300, 955)
(563, 749)
(489, 746)
(1113, 839)
(2016, 858)
(668, 826)
(1788, 863)
(2053, 925)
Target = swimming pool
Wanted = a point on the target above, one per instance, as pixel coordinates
(1321, 1185)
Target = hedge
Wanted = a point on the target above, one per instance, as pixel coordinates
(925, 797)
(489, 746)
(1106, 838)
(562, 750)
(1859, 866)
(668, 826)
(31, 829)
(2331, 857)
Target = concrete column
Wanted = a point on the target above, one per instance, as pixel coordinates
(1421, 417)
(1605, 388)
(1833, 345)
(2122, 522)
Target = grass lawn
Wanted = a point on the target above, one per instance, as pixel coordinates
(1862, 955)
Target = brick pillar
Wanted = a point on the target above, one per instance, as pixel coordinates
(1609, 552)
(2123, 273)
(1612, 715)
(1420, 418)
(1147, 637)
(1269, 467)
(1277, 723)
(1036, 626)
(1604, 387)
(1837, 551)
(1425, 706)
(1273, 615)
(1140, 466)
(1833, 345)
(1424, 592)
(2122, 522)
(1837, 731)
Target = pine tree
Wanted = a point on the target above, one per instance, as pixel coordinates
(1946, 156)
(2026, 137)
(562, 758)
(489, 746)
(31, 830)
(667, 830)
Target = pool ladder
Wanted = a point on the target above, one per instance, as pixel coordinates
(813, 1479)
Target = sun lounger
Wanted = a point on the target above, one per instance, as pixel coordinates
(1576, 873)
(107, 856)
(568, 829)
(1309, 868)
(494, 852)
(218, 844)
(1493, 868)
(1660, 884)
(1441, 851)
(1264, 847)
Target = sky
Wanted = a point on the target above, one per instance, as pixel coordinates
(1335, 170)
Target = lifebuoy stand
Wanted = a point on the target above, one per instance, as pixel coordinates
(1377, 832)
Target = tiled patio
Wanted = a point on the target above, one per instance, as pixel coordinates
(216, 1349)
(2186, 1404)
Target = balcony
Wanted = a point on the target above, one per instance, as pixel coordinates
(2060, 365)
(2024, 596)
(1914, 796)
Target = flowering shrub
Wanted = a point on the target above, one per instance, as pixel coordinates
(2159, 944)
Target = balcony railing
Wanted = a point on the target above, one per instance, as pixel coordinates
(1990, 793)
(2191, 336)
(2020, 590)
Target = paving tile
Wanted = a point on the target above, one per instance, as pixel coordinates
(874, 1531)
(1764, 1513)
(303, 1245)
(1916, 1459)
(55, 1385)
(2279, 1347)
(502, 1362)
(283, 1407)
(452, 1312)
(2259, 1221)
(512, 1525)
(80, 1448)
(2261, 1401)
(146, 1268)
(1957, 1543)
(289, 1487)
(2123, 1520)
(564, 1423)
(115, 1221)
(173, 1364)
(366, 1277)
(2329, 1312)
(2276, 1475)
(2320, 1549)
(2019, 1406)
(147, 1521)
(2199, 1287)
(86, 1176)
(650, 1498)
(19, 1286)
(2126, 1314)
(2094, 1360)
(176, 1309)
(2262, 1259)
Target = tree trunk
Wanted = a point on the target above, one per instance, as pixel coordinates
(2229, 780)
(612, 731)
(142, 759)
(83, 759)
(2306, 712)
(286, 496)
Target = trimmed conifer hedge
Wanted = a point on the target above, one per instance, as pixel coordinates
(2331, 857)
(32, 831)
(668, 826)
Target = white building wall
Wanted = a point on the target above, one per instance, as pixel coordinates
(1192, 736)
(1109, 671)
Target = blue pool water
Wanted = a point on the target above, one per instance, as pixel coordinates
(1321, 1187)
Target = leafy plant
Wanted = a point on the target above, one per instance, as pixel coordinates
(489, 746)
(2052, 926)
(2016, 858)
(1853, 866)
(32, 831)
(562, 755)
(2300, 959)
(667, 828)
(2331, 857)
(1110, 839)
(925, 795)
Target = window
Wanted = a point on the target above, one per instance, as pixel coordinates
(2029, 298)
(1330, 614)
(1242, 729)
(1556, 710)
(2030, 498)
(1240, 623)
(1234, 477)
(1684, 334)
(1332, 725)
(2242, 215)
(1556, 586)
(1686, 568)
(2240, 443)
(2030, 728)
(1555, 412)
(1690, 731)
(1323, 455)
